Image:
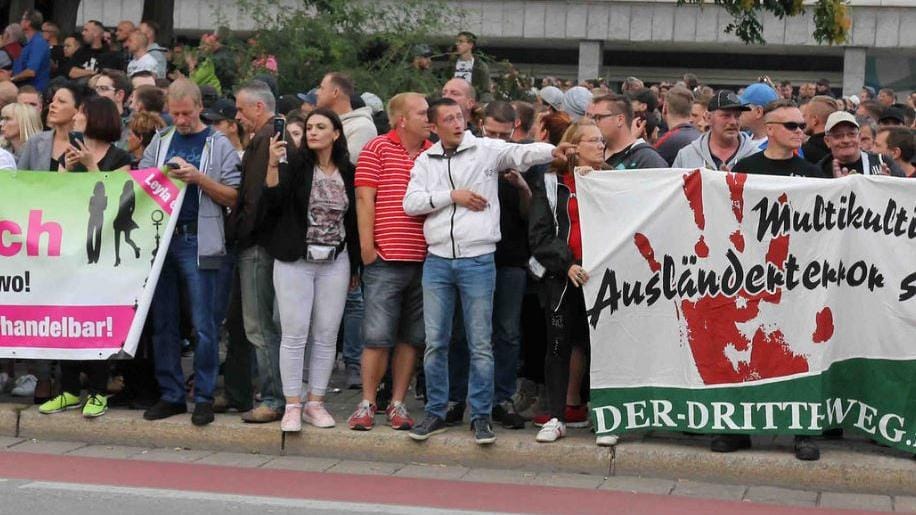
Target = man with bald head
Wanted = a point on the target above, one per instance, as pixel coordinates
(93, 56)
(8, 92)
(816, 113)
(465, 95)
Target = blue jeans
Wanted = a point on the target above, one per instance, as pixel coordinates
(446, 282)
(180, 266)
(262, 321)
(353, 327)
(511, 282)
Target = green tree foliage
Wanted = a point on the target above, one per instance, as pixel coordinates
(370, 41)
(831, 17)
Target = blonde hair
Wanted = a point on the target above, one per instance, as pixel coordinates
(573, 135)
(397, 106)
(183, 88)
(27, 117)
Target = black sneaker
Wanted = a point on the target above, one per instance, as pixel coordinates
(455, 414)
(729, 443)
(431, 425)
(483, 431)
(164, 409)
(806, 449)
(506, 415)
(203, 413)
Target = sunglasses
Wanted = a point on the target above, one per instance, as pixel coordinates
(792, 126)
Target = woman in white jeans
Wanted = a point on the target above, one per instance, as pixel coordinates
(311, 215)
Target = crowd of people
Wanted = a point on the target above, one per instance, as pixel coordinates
(433, 239)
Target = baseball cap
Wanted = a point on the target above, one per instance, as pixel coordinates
(758, 94)
(839, 117)
(893, 113)
(309, 97)
(553, 96)
(208, 95)
(222, 109)
(373, 101)
(726, 99)
(575, 102)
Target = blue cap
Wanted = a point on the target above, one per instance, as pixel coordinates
(758, 94)
(309, 97)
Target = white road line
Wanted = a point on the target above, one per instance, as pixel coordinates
(246, 499)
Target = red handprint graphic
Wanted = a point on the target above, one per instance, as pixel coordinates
(719, 344)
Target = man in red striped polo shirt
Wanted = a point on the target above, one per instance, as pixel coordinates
(393, 249)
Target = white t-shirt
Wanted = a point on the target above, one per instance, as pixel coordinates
(145, 63)
(464, 69)
(7, 161)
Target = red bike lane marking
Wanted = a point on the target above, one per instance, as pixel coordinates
(366, 489)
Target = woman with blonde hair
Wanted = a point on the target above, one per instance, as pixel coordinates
(556, 243)
(18, 123)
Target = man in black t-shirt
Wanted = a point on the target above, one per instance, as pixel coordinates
(785, 127)
(93, 56)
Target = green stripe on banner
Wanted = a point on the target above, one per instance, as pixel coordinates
(874, 396)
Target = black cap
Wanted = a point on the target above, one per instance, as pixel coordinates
(893, 113)
(208, 95)
(726, 99)
(222, 109)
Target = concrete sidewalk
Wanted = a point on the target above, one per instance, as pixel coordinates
(851, 465)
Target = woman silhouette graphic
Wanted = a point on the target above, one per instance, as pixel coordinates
(97, 205)
(124, 221)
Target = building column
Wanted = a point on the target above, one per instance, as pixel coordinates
(591, 57)
(853, 70)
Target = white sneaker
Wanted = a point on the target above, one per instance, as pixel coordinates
(606, 440)
(24, 386)
(552, 431)
(292, 419)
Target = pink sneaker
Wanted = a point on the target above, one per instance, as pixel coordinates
(292, 419)
(316, 415)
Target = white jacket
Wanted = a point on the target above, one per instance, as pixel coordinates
(453, 231)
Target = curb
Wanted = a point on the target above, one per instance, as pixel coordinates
(850, 465)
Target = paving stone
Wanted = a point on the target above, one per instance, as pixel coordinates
(568, 480)
(904, 504)
(365, 467)
(235, 459)
(7, 441)
(856, 501)
(519, 477)
(774, 495)
(300, 463)
(171, 454)
(643, 485)
(432, 471)
(689, 488)
(46, 446)
(108, 451)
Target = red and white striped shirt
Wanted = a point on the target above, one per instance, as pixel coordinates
(385, 165)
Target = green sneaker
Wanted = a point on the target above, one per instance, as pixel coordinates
(96, 406)
(62, 402)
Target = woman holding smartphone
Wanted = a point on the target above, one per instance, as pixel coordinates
(45, 150)
(556, 243)
(310, 204)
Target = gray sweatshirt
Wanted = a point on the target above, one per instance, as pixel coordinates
(697, 155)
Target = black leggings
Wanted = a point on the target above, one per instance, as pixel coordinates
(566, 327)
(96, 371)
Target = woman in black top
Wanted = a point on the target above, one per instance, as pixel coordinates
(311, 208)
(100, 125)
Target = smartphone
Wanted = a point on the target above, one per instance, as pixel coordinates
(280, 127)
(74, 136)
(172, 166)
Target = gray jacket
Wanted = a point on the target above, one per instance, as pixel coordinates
(220, 162)
(36, 154)
(696, 154)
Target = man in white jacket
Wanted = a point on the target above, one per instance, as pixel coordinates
(455, 184)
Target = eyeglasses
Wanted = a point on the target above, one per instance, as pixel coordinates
(103, 88)
(599, 141)
(497, 134)
(791, 126)
(597, 117)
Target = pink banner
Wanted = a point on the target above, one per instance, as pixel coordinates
(158, 186)
(64, 327)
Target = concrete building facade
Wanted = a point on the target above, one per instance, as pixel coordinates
(652, 39)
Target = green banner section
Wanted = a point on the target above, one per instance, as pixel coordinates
(873, 396)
